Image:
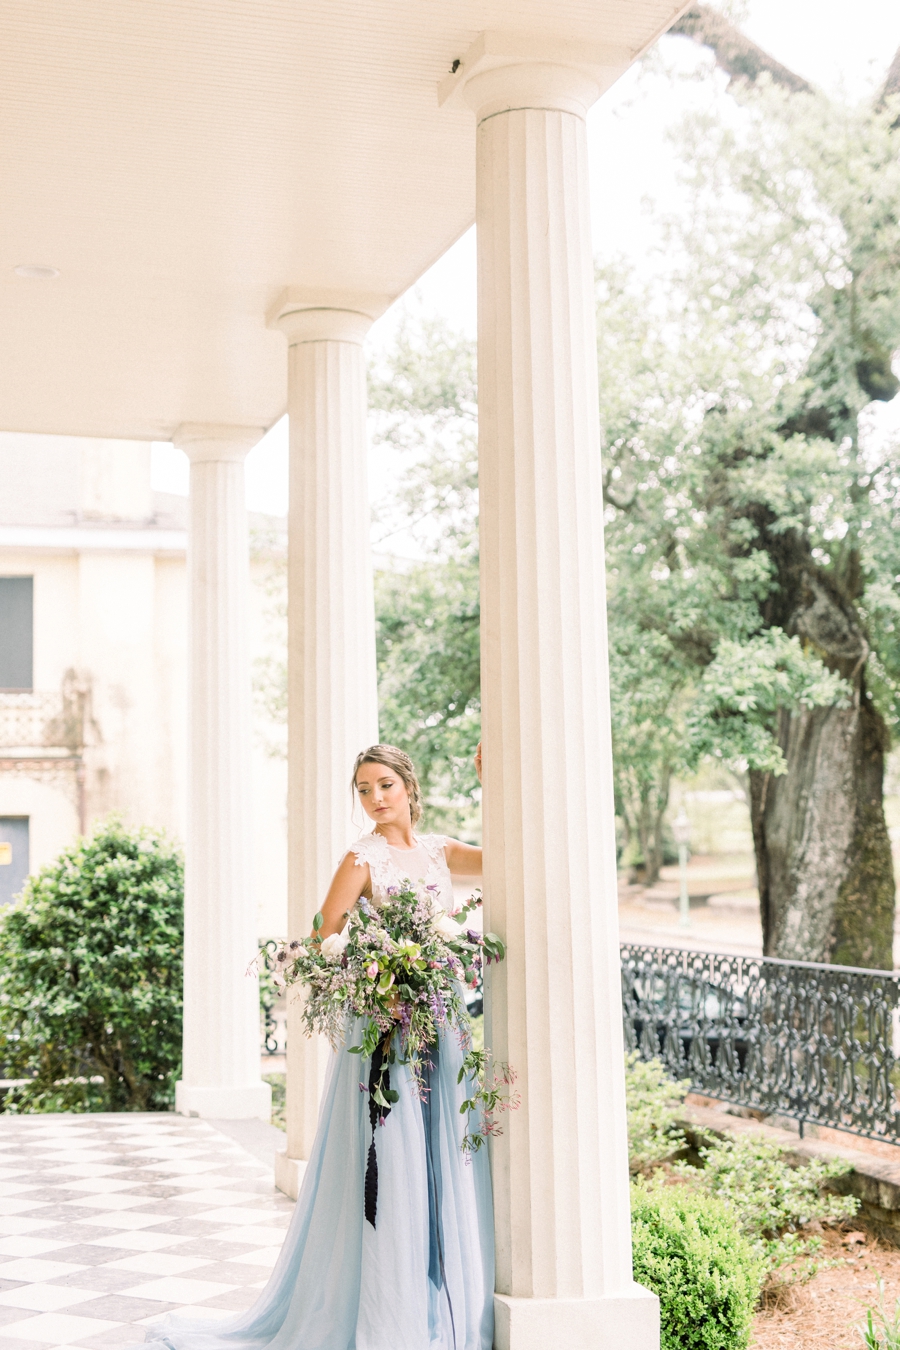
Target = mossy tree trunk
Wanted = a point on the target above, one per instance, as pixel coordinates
(823, 855)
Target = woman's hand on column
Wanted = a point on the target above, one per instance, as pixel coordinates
(478, 761)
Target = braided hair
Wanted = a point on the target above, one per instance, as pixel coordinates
(398, 760)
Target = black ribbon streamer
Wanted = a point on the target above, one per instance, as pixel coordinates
(379, 1077)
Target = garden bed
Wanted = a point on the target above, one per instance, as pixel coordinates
(825, 1313)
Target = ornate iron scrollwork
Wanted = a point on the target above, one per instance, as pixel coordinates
(268, 996)
(790, 1038)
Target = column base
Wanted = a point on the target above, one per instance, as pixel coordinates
(289, 1173)
(253, 1102)
(627, 1321)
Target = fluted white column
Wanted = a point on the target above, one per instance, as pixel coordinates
(554, 1007)
(332, 692)
(221, 1071)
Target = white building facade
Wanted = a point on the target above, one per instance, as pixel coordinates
(93, 660)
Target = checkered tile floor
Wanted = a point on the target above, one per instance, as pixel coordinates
(108, 1223)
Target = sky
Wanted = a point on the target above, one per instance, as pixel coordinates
(843, 48)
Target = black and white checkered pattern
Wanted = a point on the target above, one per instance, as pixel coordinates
(109, 1222)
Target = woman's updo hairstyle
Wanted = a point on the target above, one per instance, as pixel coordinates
(403, 767)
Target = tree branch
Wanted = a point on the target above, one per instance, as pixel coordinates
(736, 54)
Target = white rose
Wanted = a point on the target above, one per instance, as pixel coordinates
(443, 924)
(333, 946)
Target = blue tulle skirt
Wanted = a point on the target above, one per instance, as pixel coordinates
(423, 1277)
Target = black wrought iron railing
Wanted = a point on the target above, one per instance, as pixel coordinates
(271, 1005)
(815, 1042)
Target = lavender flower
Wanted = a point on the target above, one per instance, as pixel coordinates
(399, 966)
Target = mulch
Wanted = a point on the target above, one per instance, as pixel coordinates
(827, 1312)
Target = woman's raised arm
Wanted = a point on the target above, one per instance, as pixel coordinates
(350, 881)
(464, 860)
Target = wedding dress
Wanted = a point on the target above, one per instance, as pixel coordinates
(423, 1277)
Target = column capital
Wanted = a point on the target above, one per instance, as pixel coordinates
(505, 72)
(205, 442)
(306, 315)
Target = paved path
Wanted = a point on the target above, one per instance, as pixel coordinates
(110, 1222)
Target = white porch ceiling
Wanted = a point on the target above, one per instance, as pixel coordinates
(182, 162)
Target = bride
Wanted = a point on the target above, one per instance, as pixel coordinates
(421, 1277)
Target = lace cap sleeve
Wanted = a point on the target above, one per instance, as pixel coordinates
(372, 850)
(361, 849)
(433, 845)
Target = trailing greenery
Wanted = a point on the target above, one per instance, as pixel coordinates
(652, 1100)
(689, 1250)
(774, 1201)
(91, 977)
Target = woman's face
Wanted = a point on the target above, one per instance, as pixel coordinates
(383, 794)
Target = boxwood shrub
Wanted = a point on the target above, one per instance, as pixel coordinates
(91, 977)
(689, 1251)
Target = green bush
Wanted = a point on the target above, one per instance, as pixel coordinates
(278, 1084)
(652, 1102)
(689, 1251)
(91, 977)
(774, 1201)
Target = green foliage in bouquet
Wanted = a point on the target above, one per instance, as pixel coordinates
(398, 970)
(689, 1250)
(91, 977)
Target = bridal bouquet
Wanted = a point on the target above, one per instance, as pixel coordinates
(401, 967)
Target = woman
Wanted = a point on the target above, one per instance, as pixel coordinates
(421, 1277)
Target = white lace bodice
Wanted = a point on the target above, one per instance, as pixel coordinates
(426, 863)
